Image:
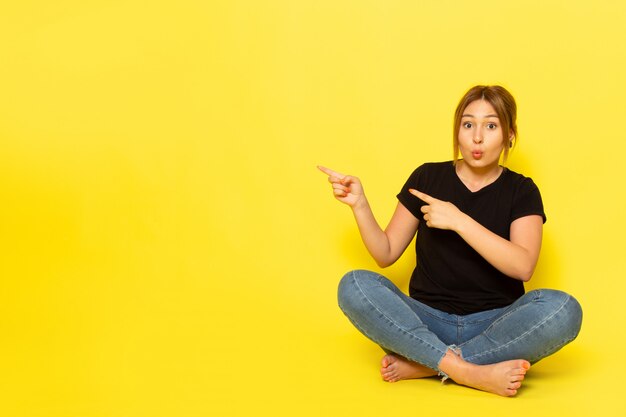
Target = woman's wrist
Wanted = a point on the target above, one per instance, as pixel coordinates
(462, 222)
(360, 205)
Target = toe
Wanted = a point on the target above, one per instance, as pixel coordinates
(510, 392)
(389, 377)
(516, 378)
(517, 371)
(388, 373)
(387, 360)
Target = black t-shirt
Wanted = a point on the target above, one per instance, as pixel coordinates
(450, 275)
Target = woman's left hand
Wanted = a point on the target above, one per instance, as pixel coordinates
(439, 214)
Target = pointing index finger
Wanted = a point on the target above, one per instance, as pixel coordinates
(330, 172)
(422, 196)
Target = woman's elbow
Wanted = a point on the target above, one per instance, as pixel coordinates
(383, 263)
(383, 260)
(526, 273)
(524, 266)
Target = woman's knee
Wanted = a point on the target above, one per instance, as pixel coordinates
(567, 308)
(352, 287)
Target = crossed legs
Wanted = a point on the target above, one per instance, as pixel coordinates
(495, 360)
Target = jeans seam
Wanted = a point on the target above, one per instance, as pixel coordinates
(500, 347)
(433, 315)
(474, 322)
(392, 321)
(508, 313)
(553, 349)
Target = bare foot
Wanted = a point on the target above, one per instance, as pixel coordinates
(395, 368)
(503, 378)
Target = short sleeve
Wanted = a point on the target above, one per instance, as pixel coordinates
(408, 200)
(527, 201)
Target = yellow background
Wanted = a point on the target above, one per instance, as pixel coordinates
(167, 247)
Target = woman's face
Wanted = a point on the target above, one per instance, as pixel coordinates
(480, 135)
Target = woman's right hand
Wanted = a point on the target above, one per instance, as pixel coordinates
(346, 188)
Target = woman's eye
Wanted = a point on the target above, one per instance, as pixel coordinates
(491, 126)
(467, 125)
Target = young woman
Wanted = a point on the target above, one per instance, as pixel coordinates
(479, 228)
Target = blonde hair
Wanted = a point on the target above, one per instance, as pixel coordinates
(504, 105)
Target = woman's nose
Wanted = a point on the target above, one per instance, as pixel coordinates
(478, 139)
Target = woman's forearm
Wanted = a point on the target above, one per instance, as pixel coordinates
(373, 236)
(506, 256)
(515, 258)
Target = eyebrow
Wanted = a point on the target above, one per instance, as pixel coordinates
(489, 115)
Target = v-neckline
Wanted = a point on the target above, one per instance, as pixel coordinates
(466, 188)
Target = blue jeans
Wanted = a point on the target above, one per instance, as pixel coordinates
(536, 325)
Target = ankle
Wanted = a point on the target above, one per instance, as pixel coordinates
(454, 366)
